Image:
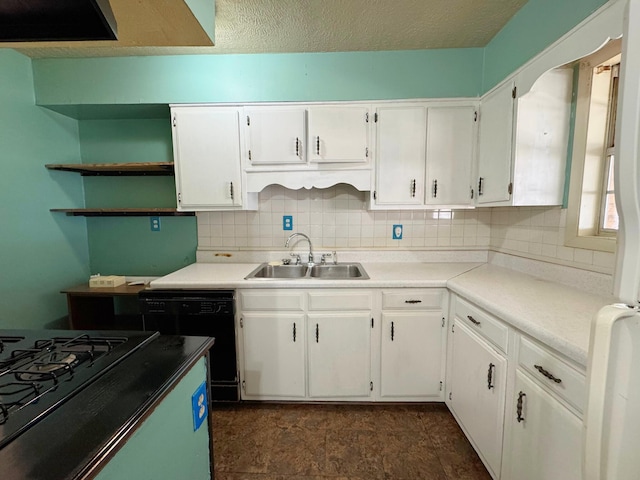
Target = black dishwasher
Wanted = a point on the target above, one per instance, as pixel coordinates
(202, 313)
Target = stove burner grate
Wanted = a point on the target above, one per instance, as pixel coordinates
(27, 374)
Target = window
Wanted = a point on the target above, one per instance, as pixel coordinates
(608, 213)
(592, 219)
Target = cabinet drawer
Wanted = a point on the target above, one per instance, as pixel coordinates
(271, 300)
(340, 300)
(482, 323)
(553, 372)
(414, 300)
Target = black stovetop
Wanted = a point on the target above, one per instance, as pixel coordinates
(40, 370)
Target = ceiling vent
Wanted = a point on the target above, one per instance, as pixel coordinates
(56, 20)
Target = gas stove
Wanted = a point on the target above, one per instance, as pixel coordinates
(41, 369)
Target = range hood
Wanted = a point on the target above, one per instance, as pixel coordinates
(56, 20)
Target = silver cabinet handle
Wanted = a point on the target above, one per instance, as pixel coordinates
(317, 333)
(413, 188)
(435, 188)
(318, 145)
(392, 331)
(231, 189)
(294, 331)
(298, 146)
(480, 182)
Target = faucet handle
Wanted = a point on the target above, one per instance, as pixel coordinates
(332, 255)
(296, 256)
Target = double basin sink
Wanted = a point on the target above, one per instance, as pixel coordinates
(334, 271)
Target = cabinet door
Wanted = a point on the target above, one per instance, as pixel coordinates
(273, 355)
(275, 135)
(477, 379)
(411, 354)
(206, 144)
(339, 354)
(339, 134)
(401, 137)
(451, 137)
(547, 442)
(496, 138)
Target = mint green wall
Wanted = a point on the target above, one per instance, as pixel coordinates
(536, 26)
(269, 77)
(165, 447)
(42, 252)
(127, 246)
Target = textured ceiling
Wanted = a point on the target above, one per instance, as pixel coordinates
(156, 27)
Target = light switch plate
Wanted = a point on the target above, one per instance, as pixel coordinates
(199, 405)
(287, 222)
(396, 234)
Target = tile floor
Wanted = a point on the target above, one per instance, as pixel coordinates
(341, 442)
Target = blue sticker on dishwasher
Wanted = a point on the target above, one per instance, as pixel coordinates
(199, 405)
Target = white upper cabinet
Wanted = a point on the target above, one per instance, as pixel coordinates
(275, 135)
(339, 134)
(541, 139)
(451, 139)
(523, 141)
(400, 155)
(424, 154)
(494, 156)
(206, 146)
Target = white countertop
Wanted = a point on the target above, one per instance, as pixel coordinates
(557, 315)
(554, 314)
(381, 275)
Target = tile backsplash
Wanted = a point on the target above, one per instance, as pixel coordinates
(538, 233)
(337, 217)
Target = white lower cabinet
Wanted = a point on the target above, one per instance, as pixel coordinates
(352, 344)
(273, 346)
(544, 438)
(412, 344)
(411, 355)
(477, 376)
(339, 354)
(519, 402)
(297, 344)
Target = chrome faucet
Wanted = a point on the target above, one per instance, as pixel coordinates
(293, 235)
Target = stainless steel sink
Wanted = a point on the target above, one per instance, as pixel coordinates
(339, 271)
(279, 271)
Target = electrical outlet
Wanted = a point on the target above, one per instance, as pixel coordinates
(199, 405)
(155, 224)
(287, 222)
(397, 232)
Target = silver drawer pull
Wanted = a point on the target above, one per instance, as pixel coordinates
(473, 320)
(413, 301)
(550, 376)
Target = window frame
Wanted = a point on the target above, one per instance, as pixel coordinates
(592, 237)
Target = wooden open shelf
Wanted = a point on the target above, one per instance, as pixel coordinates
(123, 212)
(115, 169)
